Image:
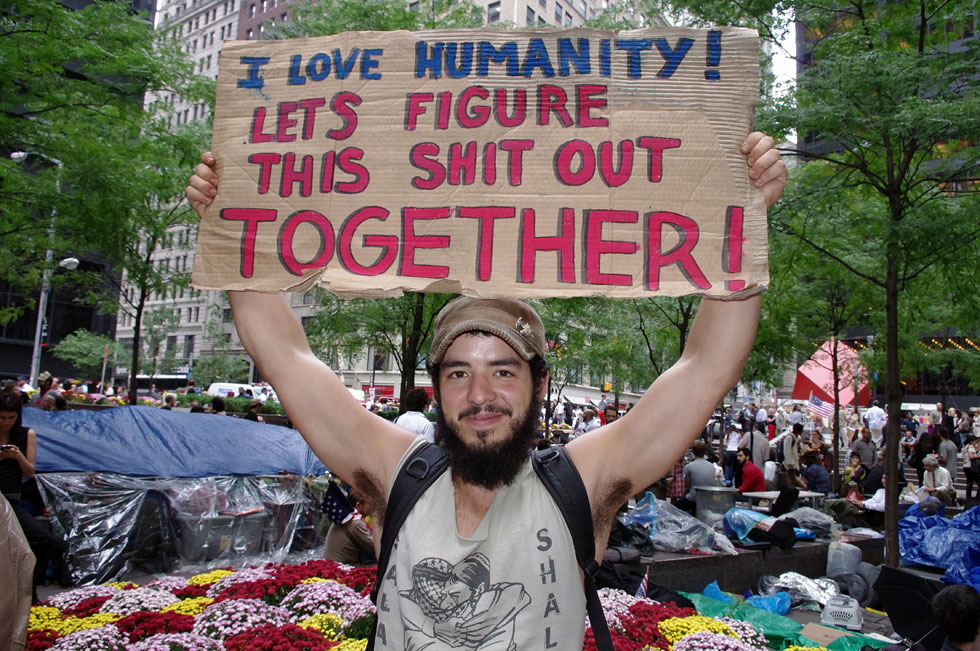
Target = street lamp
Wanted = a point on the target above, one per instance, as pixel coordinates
(67, 263)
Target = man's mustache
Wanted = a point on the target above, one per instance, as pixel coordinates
(484, 409)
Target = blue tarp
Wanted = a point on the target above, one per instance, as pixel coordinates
(157, 442)
(953, 545)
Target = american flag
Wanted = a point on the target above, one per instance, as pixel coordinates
(335, 505)
(821, 408)
(642, 590)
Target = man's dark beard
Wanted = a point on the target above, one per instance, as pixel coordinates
(494, 464)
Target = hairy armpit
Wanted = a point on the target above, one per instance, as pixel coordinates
(372, 493)
(610, 498)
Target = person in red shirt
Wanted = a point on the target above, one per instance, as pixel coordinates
(752, 479)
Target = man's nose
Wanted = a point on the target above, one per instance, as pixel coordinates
(481, 389)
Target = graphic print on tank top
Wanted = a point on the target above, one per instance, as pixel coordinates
(459, 606)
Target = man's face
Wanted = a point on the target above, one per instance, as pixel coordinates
(487, 409)
(457, 592)
(611, 415)
(866, 435)
(47, 402)
(741, 458)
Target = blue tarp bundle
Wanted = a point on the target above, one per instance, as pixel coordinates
(158, 442)
(953, 545)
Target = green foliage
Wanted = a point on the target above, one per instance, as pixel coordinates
(72, 91)
(343, 328)
(219, 367)
(85, 351)
(334, 16)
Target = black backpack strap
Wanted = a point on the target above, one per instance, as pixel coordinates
(561, 478)
(413, 479)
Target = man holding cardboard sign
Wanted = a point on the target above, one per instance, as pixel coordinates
(484, 560)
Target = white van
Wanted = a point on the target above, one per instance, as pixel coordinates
(228, 389)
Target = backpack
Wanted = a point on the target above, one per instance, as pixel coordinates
(555, 470)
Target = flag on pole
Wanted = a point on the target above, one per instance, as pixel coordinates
(642, 590)
(821, 408)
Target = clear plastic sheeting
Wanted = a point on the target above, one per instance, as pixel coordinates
(115, 524)
(801, 589)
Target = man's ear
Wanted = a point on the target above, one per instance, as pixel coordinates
(542, 390)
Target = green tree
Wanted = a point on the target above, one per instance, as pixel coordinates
(70, 77)
(86, 350)
(73, 92)
(889, 100)
(400, 326)
(334, 16)
(218, 364)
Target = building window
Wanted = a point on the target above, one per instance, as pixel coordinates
(493, 12)
(248, 34)
(559, 13)
(251, 10)
(188, 346)
(591, 13)
(568, 19)
(529, 19)
(265, 6)
(226, 315)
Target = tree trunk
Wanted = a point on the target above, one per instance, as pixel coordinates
(134, 363)
(895, 393)
(836, 428)
(410, 345)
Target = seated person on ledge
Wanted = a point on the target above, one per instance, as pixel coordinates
(752, 479)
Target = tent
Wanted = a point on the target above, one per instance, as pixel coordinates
(147, 441)
(141, 487)
(816, 376)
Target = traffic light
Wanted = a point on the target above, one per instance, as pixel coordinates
(606, 386)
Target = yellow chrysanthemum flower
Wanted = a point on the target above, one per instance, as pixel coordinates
(208, 577)
(72, 624)
(43, 617)
(315, 579)
(806, 648)
(193, 606)
(677, 627)
(351, 645)
(328, 625)
(121, 585)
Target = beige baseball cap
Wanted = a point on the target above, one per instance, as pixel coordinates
(511, 319)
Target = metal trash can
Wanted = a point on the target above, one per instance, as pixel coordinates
(713, 502)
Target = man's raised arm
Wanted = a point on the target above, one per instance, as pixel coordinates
(628, 455)
(356, 445)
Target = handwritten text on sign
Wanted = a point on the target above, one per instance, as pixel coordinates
(538, 164)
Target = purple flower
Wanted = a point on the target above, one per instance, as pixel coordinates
(71, 598)
(105, 638)
(176, 642)
(705, 641)
(308, 599)
(127, 602)
(226, 618)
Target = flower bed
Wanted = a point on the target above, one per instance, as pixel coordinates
(313, 606)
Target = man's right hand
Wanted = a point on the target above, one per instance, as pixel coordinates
(203, 184)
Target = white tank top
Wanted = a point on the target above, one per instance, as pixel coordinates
(514, 585)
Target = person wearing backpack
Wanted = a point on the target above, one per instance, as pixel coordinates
(486, 557)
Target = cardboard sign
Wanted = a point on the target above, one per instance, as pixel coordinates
(531, 163)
